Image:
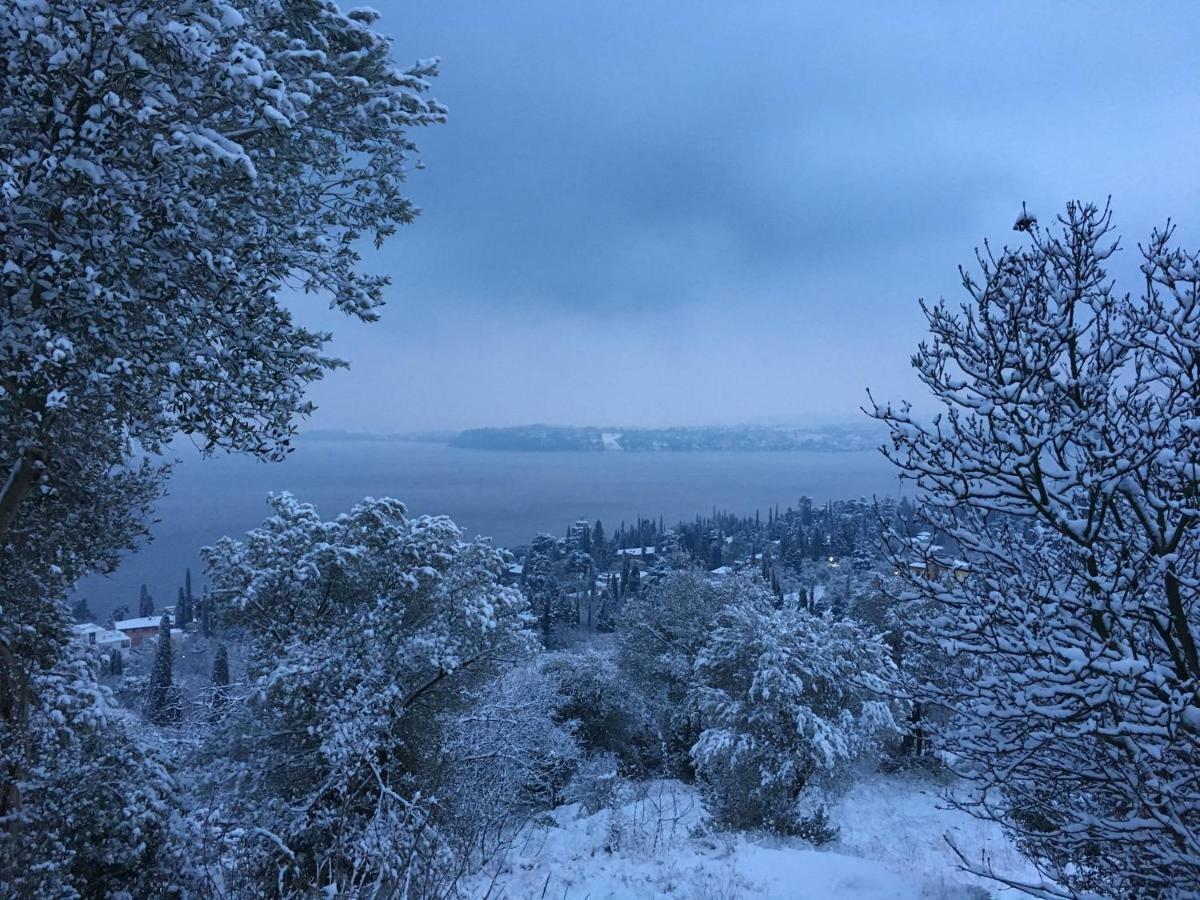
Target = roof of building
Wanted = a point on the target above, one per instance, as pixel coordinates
(102, 634)
(134, 624)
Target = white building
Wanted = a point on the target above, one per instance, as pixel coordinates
(101, 638)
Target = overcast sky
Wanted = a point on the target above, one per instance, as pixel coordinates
(719, 212)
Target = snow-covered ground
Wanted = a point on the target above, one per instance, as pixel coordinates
(655, 842)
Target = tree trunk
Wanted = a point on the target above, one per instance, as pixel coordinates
(21, 478)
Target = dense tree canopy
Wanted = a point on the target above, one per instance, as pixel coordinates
(166, 170)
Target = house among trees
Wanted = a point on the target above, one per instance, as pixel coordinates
(101, 638)
(139, 629)
(934, 567)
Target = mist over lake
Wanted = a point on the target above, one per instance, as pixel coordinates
(507, 495)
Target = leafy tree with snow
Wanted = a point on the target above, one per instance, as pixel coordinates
(95, 812)
(609, 713)
(365, 632)
(506, 754)
(661, 633)
(166, 170)
(162, 707)
(55, 721)
(542, 582)
(1064, 464)
(786, 700)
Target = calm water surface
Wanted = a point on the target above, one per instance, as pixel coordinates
(508, 496)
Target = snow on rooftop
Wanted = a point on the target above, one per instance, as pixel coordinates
(141, 622)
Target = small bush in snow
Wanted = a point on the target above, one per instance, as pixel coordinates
(504, 756)
(595, 782)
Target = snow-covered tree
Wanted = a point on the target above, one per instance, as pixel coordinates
(364, 633)
(1064, 464)
(94, 811)
(787, 699)
(220, 680)
(98, 512)
(610, 714)
(508, 753)
(162, 706)
(662, 631)
(166, 169)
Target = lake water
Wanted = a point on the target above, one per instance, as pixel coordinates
(509, 496)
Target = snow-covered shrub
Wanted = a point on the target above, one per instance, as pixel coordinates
(662, 630)
(786, 698)
(94, 813)
(610, 716)
(503, 756)
(594, 783)
(648, 817)
(86, 806)
(1064, 465)
(365, 633)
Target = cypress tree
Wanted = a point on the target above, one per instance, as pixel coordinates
(116, 663)
(145, 603)
(81, 612)
(635, 580)
(205, 617)
(161, 707)
(183, 612)
(715, 560)
(220, 680)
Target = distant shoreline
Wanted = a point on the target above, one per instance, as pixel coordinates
(595, 439)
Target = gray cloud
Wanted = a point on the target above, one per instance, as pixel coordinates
(698, 212)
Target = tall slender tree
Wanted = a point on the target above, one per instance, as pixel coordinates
(220, 680)
(145, 603)
(161, 705)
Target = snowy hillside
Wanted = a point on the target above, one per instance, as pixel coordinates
(655, 841)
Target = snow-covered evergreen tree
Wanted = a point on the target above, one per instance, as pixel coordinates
(365, 632)
(162, 707)
(165, 168)
(220, 680)
(786, 699)
(1064, 464)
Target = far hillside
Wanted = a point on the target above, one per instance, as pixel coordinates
(828, 438)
